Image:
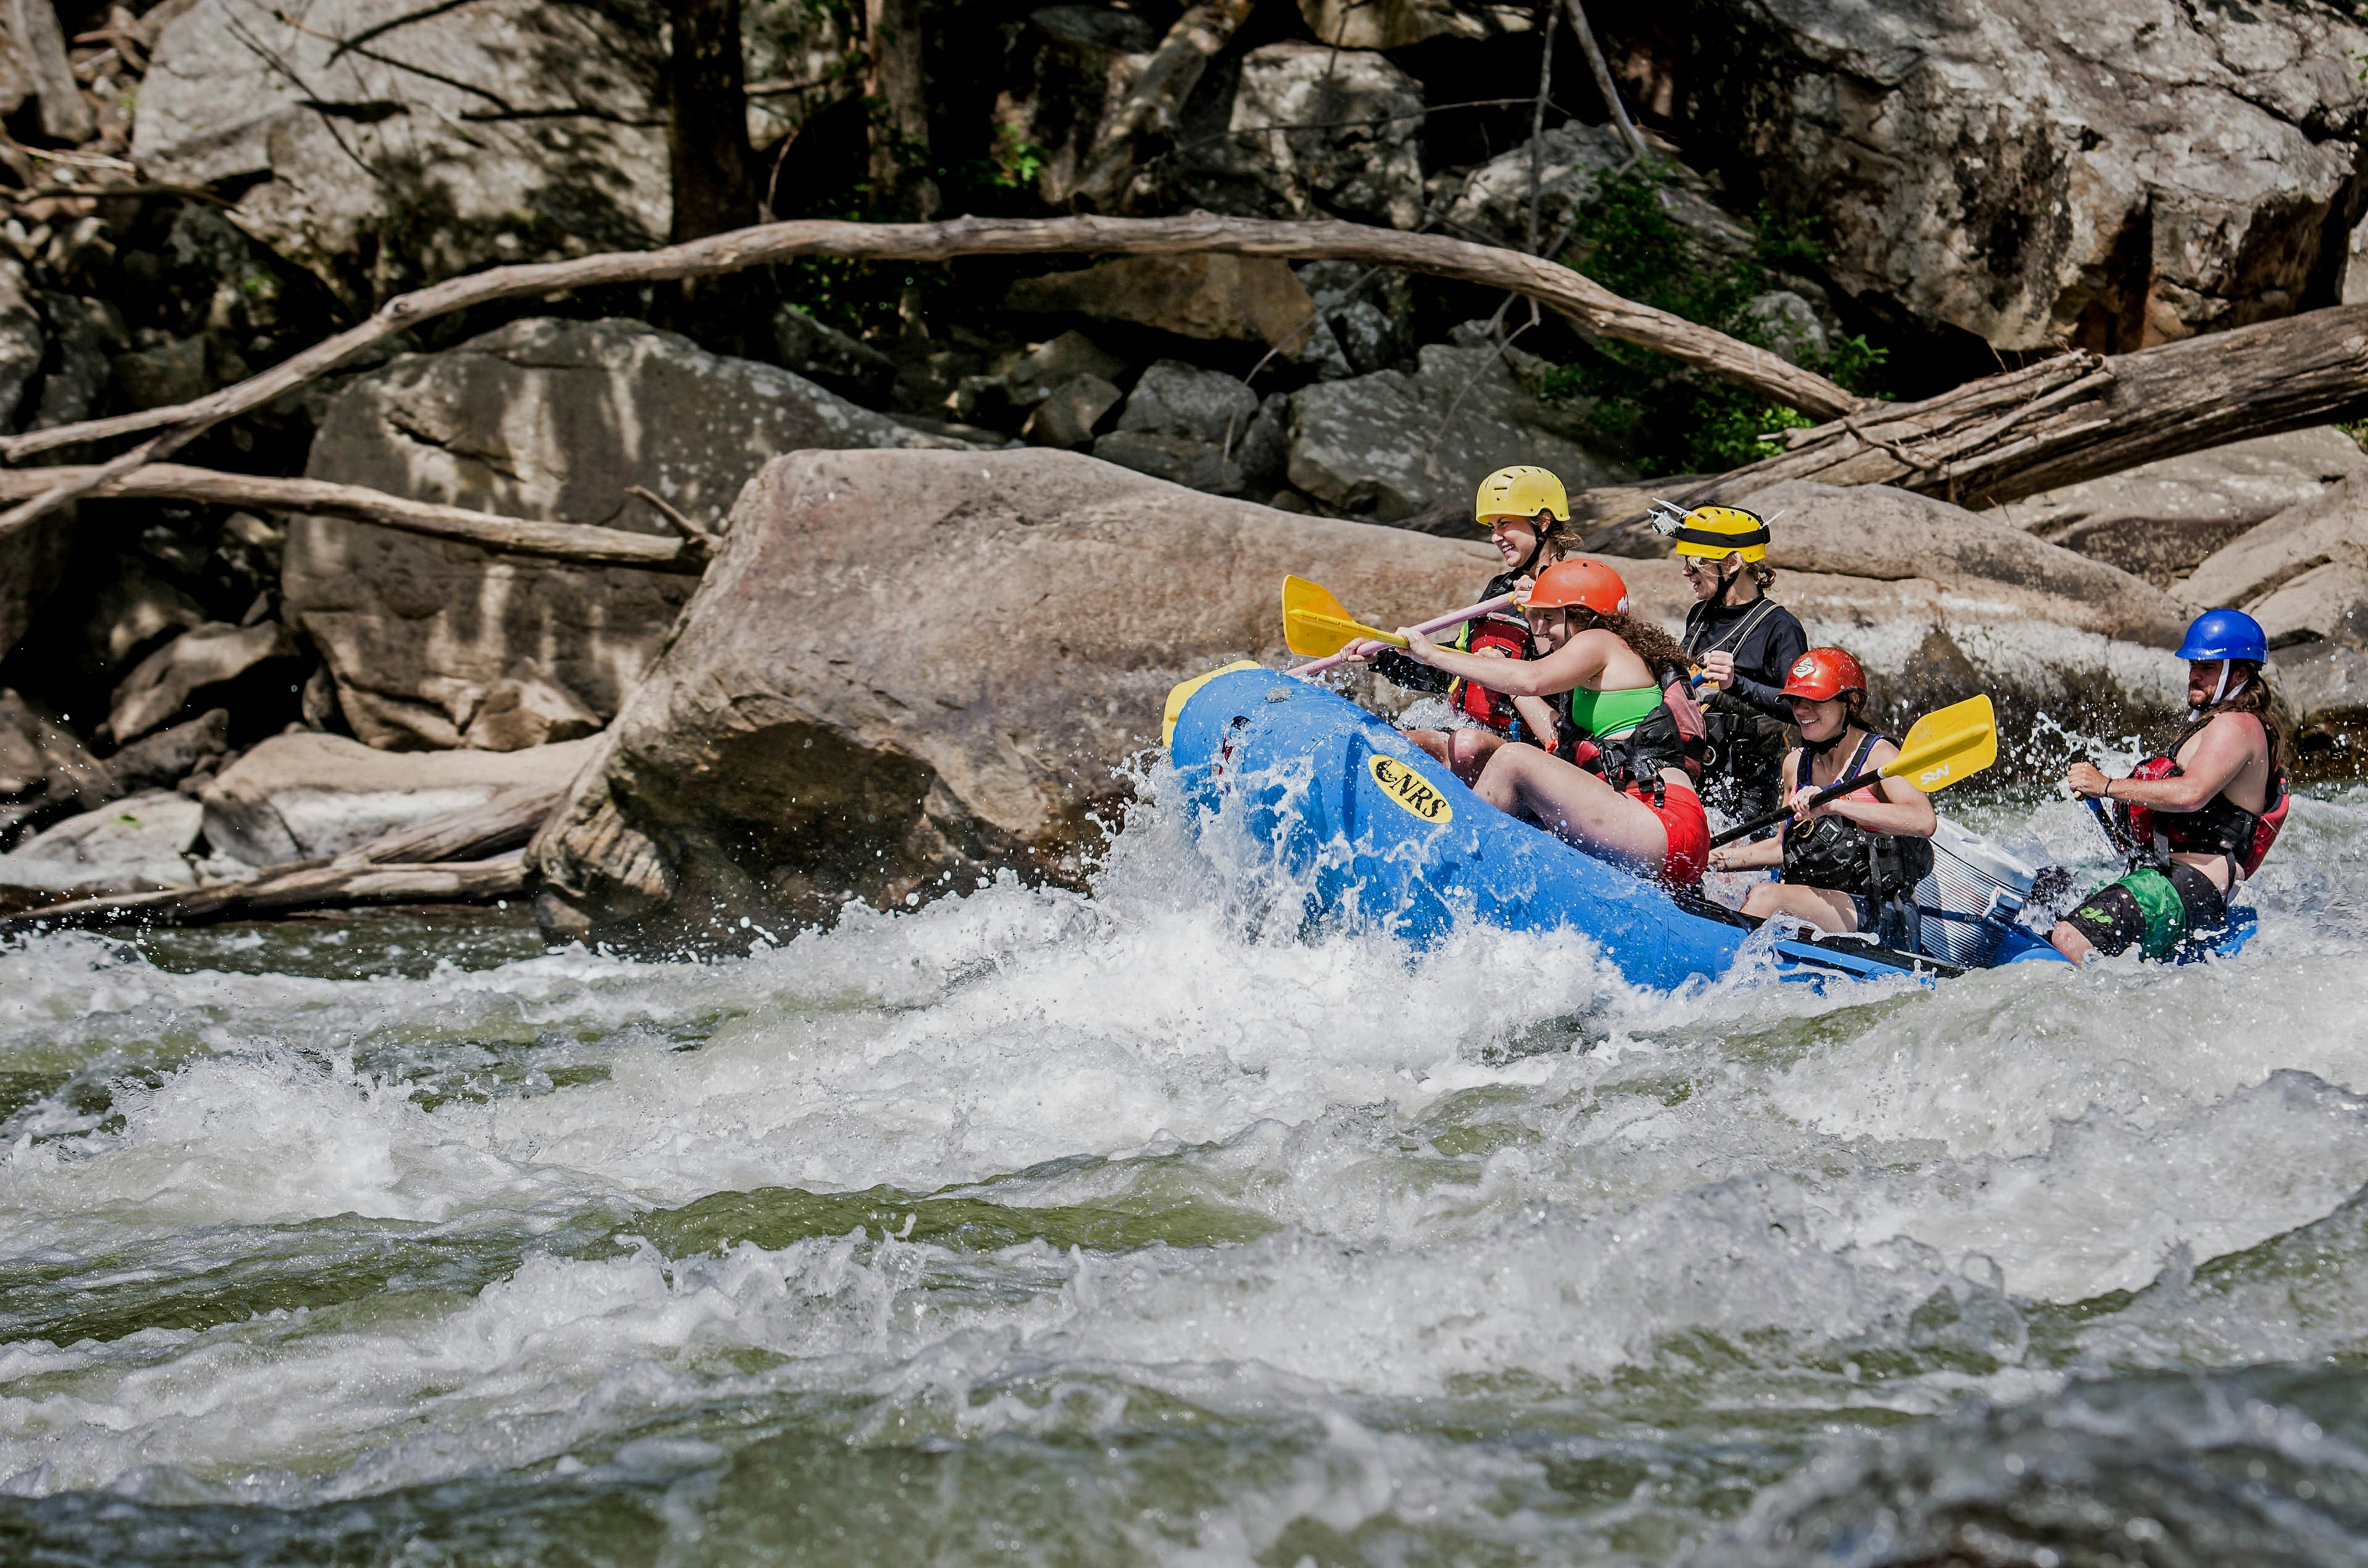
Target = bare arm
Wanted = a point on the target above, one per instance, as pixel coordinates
(1899, 808)
(1567, 667)
(2221, 751)
(1752, 855)
(1537, 715)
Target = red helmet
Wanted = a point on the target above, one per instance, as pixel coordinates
(1823, 674)
(1589, 584)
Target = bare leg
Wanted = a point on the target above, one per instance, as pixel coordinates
(1576, 805)
(2068, 939)
(1432, 741)
(1821, 907)
(1468, 750)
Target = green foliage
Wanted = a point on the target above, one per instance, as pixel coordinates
(1674, 421)
(2358, 430)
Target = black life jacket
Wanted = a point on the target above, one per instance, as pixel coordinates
(2222, 827)
(1835, 853)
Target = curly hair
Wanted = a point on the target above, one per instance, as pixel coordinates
(1649, 643)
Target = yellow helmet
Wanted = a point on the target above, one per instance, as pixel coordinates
(1715, 532)
(1521, 491)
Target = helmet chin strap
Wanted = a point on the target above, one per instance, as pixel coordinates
(2220, 691)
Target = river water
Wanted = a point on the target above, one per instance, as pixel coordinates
(1149, 1227)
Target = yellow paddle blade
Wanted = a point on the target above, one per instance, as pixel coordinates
(1299, 594)
(1182, 693)
(1312, 634)
(1956, 742)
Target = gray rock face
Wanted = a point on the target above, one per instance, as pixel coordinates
(2302, 574)
(162, 760)
(30, 561)
(2162, 520)
(1493, 200)
(45, 774)
(138, 845)
(1076, 58)
(1395, 23)
(22, 342)
(296, 797)
(1202, 429)
(500, 130)
(200, 663)
(794, 746)
(1070, 414)
(2118, 173)
(1213, 297)
(1392, 447)
(539, 419)
(829, 356)
(1352, 148)
(1176, 399)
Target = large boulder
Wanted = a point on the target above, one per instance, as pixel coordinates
(1395, 23)
(907, 668)
(1312, 133)
(1213, 298)
(2161, 521)
(1573, 161)
(2301, 574)
(378, 142)
(1399, 447)
(45, 774)
(543, 419)
(141, 844)
(302, 796)
(2116, 172)
(213, 664)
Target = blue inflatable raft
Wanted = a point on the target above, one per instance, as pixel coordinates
(1382, 832)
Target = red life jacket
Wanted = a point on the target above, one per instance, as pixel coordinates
(2220, 827)
(1490, 634)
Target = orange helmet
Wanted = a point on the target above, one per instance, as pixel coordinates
(1589, 584)
(1823, 674)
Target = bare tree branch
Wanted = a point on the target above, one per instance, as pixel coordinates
(580, 543)
(1586, 303)
(1603, 82)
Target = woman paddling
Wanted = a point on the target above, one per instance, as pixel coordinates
(1618, 677)
(1525, 510)
(1743, 642)
(1851, 864)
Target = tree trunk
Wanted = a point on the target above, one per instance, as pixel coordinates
(2080, 417)
(712, 172)
(897, 90)
(1149, 110)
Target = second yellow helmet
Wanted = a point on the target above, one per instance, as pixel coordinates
(1718, 532)
(1521, 491)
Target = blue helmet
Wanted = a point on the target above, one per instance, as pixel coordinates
(2225, 634)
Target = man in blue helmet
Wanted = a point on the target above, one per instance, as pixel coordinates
(2196, 819)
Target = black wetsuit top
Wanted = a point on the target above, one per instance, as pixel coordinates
(1749, 719)
(1763, 655)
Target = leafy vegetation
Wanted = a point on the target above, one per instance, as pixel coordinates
(1674, 421)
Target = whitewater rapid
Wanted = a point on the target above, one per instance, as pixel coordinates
(1145, 1226)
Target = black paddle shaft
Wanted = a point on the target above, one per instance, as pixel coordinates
(1830, 793)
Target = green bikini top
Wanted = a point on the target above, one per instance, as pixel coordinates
(1606, 715)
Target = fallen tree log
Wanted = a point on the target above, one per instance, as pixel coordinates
(581, 542)
(1585, 303)
(475, 855)
(2080, 417)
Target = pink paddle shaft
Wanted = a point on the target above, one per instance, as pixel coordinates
(1439, 623)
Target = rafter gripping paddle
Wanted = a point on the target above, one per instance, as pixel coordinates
(1317, 625)
(1954, 743)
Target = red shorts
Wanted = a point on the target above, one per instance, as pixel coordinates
(1688, 828)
